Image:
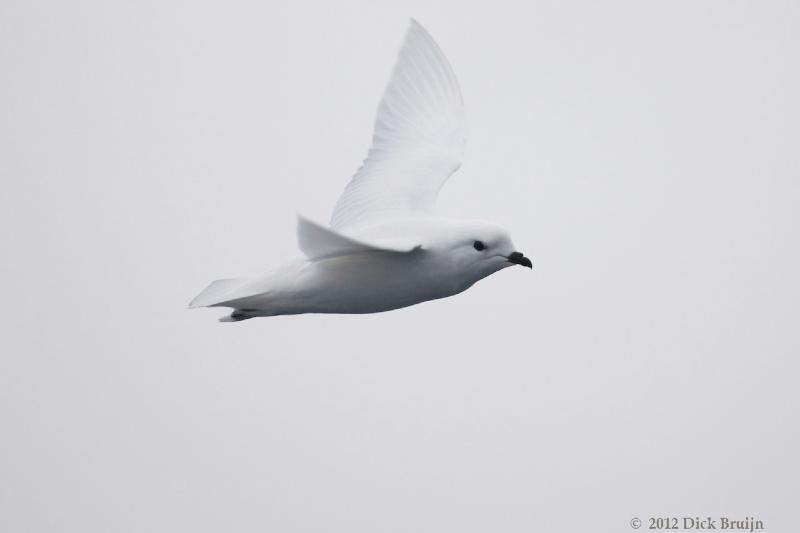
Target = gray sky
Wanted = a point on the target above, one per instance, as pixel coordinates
(645, 154)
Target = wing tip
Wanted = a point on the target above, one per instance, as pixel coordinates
(414, 26)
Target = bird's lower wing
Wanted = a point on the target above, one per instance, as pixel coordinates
(319, 242)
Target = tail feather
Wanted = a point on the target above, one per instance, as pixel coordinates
(219, 291)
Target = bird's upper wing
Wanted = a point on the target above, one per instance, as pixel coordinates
(418, 139)
(318, 242)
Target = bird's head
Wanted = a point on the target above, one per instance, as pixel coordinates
(479, 249)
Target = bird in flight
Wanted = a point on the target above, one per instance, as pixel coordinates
(386, 248)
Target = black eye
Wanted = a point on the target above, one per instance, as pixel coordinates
(479, 245)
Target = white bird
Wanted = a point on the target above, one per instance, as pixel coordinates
(386, 248)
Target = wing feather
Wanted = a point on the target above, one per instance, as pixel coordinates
(417, 143)
(319, 242)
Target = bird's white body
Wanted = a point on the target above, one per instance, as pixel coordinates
(370, 280)
(386, 247)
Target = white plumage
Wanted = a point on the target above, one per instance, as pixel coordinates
(418, 140)
(386, 247)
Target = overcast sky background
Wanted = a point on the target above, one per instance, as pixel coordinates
(645, 154)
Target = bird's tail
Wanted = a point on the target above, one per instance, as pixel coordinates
(238, 315)
(218, 292)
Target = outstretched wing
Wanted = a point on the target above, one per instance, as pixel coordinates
(418, 140)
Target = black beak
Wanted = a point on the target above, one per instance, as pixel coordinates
(518, 259)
